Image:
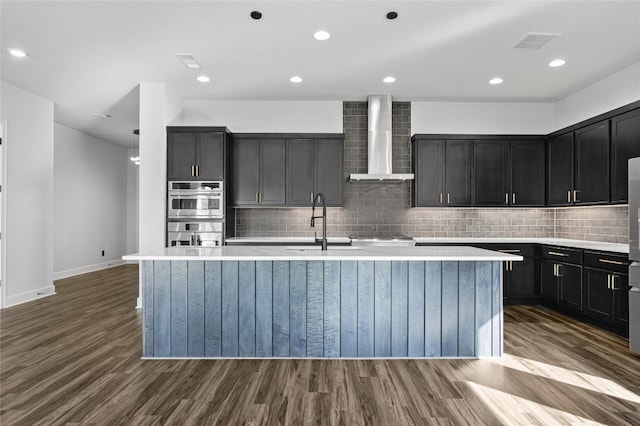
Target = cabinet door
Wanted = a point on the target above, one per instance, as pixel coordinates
(457, 179)
(625, 144)
(300, 171)
(560, 169)
(621, 300)
(598, 297)
(592, 163)
(428, 169)
(548, 281)
(181, 155)
(210, 155)
(272, 171)
(521, 282)
(246, 171)
(570, 286)
(527, 173)
(491, 173)
(329, 174)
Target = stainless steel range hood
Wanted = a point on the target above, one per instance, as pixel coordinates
(380, 144)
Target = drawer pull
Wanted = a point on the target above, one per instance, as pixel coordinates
(509, 251)
(555, 253)
(613, 262)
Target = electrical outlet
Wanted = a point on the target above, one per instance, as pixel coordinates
(103, 252)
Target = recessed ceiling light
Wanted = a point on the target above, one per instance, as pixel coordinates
(321, 35)
(17, 53)
(389, 79)
(296, 79)
(392, 15)
(557, 63)
(256, 14)
(102, 115)
(496, 80)
(203, 79)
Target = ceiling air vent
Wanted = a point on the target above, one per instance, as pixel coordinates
(535, 41)
(188, 60)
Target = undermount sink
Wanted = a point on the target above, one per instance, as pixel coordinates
(331, 248)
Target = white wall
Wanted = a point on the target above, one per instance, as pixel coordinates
(28, 191)
(90, 195)
(612, 92)
(266, 116)
(132, 203)
(481, 117)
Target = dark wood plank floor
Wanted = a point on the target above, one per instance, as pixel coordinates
(74, 358)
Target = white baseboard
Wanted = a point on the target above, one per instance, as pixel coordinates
(84, 269)
(28, 296)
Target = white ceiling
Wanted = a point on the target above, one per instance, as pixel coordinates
(89, 56)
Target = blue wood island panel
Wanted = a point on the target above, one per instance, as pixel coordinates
(496, 306)
(399, 308)
(298, 308)
(213, 308)
(322, 308)
(449, 309)
(366, 301)
(247, 309)
(466, 309)
(382, 308)
(230, 308)
(280, 309)
(195, 308)
(348, 309)
(484, 275)
(416, 316)
(147, 306)
(331, 311)
(264, 308)
(433, 309)
(162, 309)
(179, 308)
(315, 308)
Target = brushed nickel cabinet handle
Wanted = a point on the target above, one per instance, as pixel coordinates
(260, 197)
(257, 197)
(506, 198)
(613, 262)
(558, 268)
(609, 281)
(555, 270)
(509, 251)
(514, 199)
(613, 283)
(441, 198)
(197, 170)
(575, 196)
(193, 171)
(448, 201)
(311, 199)
(555, 253)
(568, 196)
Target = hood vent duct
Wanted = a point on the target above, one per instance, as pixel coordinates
(380, 144)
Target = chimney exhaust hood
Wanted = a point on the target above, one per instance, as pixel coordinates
(380, 144)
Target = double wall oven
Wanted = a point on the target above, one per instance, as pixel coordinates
(195, 212)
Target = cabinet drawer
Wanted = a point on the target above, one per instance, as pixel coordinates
(606, 260)
(562, 254)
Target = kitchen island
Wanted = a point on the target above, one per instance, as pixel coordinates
(349, 302)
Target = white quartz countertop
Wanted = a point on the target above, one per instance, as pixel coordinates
(580, 244)
(432, 253)
(284, 240)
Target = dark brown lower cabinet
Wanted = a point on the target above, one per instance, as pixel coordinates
(561, 284)
(606, 296)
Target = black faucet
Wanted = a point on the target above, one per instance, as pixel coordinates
(319, 197)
